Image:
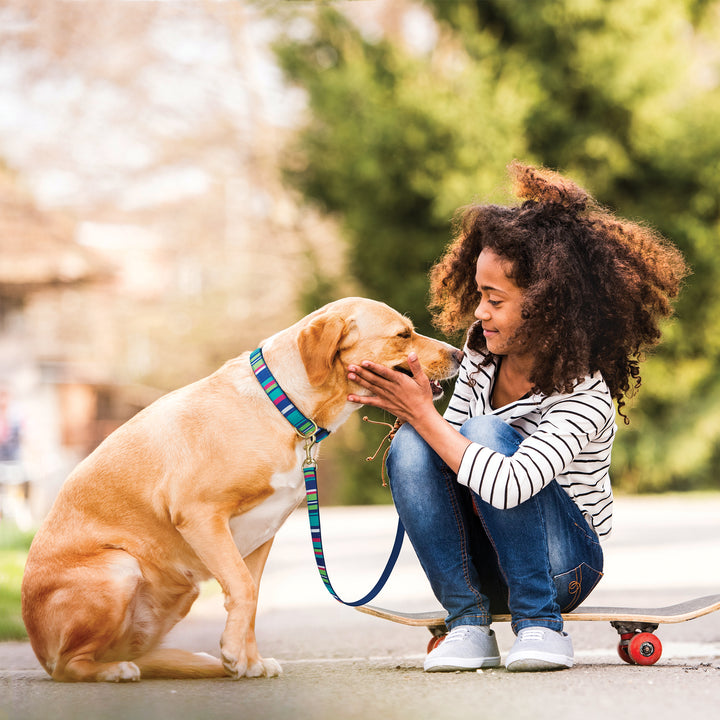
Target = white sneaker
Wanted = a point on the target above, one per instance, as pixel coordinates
(465, 647)
(540, 648)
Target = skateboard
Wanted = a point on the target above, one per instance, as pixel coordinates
(636, 625)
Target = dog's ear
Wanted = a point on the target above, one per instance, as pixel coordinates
(319, 342)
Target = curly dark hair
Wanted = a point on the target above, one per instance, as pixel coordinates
(595, 286)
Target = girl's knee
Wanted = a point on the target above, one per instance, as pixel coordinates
(482, 426)
(409, 454)
(492, 432)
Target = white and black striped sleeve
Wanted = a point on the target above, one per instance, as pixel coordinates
(468, 398)
(567, 428)
(464, 395)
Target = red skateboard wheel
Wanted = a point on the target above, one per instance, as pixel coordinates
(644, 649)
(434, 642)
(622, 649)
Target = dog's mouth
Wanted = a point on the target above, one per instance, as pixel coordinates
(435, 386)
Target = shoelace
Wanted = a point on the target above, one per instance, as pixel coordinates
(462, 632)
(532, 634)
(456, 635)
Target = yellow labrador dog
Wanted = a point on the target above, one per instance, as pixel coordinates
(196, 486)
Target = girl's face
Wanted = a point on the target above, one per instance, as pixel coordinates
(500, 305)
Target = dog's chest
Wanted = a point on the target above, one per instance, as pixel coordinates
(255, 527)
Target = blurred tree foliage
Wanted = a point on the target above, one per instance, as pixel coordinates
(622, 95)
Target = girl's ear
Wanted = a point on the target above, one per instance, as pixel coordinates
(319, 343)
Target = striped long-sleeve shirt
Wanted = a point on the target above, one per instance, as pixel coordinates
(567, 437)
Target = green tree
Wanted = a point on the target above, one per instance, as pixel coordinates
(627, 103)
(622, 95)
(392, 147)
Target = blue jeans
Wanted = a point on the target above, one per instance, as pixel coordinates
(536, 560)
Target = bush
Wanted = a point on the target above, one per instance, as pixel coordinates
(14, 545)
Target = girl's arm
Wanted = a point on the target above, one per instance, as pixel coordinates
(567, 427)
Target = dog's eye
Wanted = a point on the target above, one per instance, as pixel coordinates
(405, 334)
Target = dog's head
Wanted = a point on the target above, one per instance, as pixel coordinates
(349, 331)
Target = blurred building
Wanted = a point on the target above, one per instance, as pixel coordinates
(159, 239)
(57, 402)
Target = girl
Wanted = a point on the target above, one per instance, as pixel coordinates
(507, 496)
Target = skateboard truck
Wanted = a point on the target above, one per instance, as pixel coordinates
(638, 644)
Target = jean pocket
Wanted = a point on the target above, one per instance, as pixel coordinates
(573, 586)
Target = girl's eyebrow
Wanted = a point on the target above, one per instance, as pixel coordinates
(491, 288)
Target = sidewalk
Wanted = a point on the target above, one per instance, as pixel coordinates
(340, 663)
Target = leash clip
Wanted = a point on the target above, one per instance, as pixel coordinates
(309, 460)
(310, 441)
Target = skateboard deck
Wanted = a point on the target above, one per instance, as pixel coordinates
(636, 625)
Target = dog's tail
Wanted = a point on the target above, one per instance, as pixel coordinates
(179, 664)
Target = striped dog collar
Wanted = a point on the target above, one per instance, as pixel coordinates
(304, 427)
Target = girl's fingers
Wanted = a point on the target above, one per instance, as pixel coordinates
(362, 379)
(380, 370)
(369, 378)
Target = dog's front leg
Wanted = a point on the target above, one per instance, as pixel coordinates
(211, 540)
(259, 666)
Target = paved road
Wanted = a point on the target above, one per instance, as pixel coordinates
(339, 663)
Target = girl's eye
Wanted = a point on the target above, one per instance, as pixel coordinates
(493, 303)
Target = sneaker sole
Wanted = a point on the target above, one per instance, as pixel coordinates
(538, 662)
(455, 664)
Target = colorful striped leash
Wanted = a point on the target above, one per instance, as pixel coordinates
(312, 434)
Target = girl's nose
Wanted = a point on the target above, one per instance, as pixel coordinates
(481, 312)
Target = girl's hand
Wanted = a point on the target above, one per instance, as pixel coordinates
(409, 398)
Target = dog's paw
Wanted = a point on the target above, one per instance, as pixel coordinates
(265, 667)
(261, 667)
(120, 672)
(234, 668)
